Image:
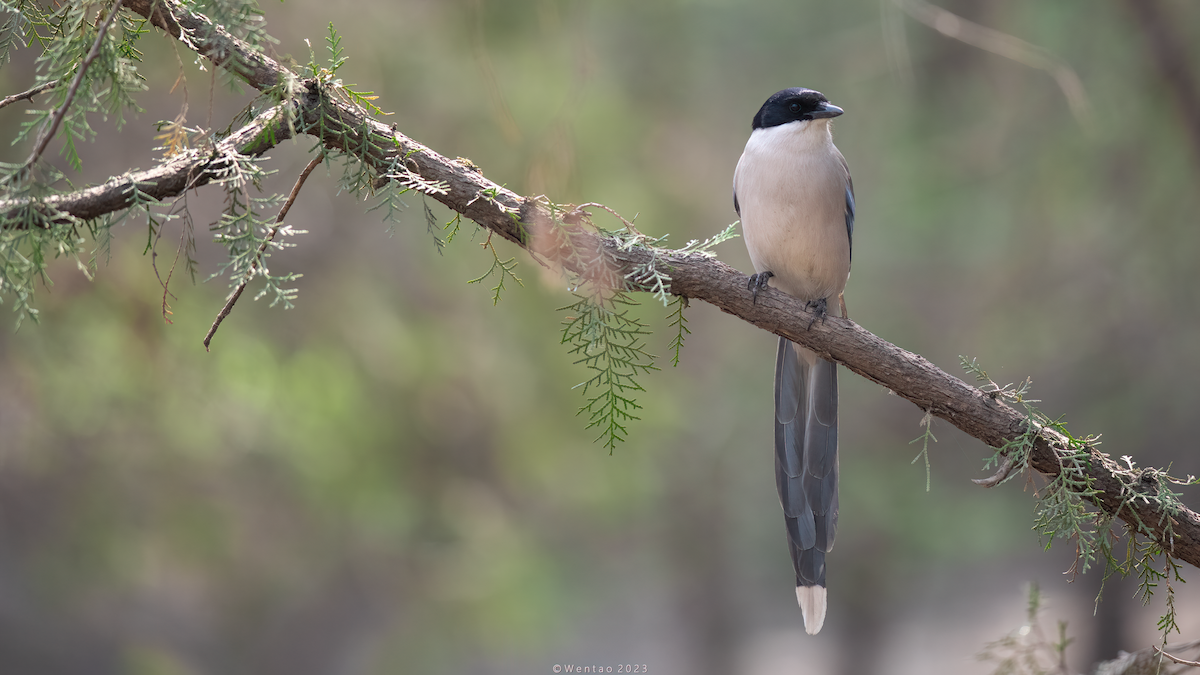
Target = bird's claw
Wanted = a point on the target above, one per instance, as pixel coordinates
(819, 308)
(757, 283)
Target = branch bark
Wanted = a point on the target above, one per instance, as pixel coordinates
(518, 219)
(211, 41)
(187, 170)
(27, 95)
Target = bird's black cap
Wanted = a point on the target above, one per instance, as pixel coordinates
(794, 105)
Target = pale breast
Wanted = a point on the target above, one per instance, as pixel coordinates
(791, 190)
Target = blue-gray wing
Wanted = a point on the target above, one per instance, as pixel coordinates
(806, 461)
(849, 207)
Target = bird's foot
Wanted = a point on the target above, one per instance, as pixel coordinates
(819, 308)
(757, 283)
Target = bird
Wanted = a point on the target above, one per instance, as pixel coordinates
(793, 193)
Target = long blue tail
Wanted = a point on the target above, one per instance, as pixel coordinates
(806, 468)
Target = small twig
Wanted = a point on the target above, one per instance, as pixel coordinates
(193, 178)
(166, 285)
(1010, 47)
(212, 88)
(27, 95)
(628, 225)
(44, 138)
(1176, 659)
(184, 238)
(233, 298)
(1006, 467)
(160, 15)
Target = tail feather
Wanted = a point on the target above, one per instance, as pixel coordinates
(806, 468)
(812, 606)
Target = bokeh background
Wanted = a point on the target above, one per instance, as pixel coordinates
(391, 478)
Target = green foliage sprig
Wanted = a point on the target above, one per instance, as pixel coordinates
(1062, 511)
(242, 18)
(925, 437)
(651, 277)
(503, 269)
(1062, 504)
(32, 235)
(23, 22)
(678, 321)
(243, 230)
(599, 326)
(657, 281)
(107, 86)
(28, 238)
(610, 343)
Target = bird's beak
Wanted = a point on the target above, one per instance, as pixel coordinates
(826, 110)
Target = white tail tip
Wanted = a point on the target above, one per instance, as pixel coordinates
(812, 606)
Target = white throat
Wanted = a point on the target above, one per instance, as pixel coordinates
(797, 137)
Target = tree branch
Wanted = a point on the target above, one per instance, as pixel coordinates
(211, 41)
(522, 220)
(1176, 659)
(190, 169)
(27, 95)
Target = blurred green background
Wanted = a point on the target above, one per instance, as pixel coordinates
(390, 478)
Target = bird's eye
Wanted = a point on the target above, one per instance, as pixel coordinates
(795, 107)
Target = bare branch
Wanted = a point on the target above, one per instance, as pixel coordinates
(27, 95)
(1006, 467)
(283, 211)
(1176, 659)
